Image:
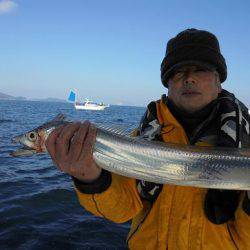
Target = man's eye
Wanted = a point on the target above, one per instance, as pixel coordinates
(179, 73)
(200, 70)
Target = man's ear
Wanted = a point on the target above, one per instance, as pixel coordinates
(218, 82)
(219, 87)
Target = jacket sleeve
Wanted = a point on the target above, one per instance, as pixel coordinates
(120, 202)
(240, 227)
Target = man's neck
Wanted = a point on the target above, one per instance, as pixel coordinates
(188, 120)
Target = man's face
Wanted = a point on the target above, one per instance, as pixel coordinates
(191, 88)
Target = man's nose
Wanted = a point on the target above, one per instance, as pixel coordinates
(189, 79)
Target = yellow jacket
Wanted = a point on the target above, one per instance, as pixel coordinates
(176, 220)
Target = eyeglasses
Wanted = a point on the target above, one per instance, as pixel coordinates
(185, 71)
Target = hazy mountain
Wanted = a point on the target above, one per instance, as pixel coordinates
(4, 96)
(49, 99)
(9, 97)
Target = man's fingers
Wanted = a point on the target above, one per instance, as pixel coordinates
(87, 152)
(50, 143)
(71, 149)
(63, 140)
(77, 142)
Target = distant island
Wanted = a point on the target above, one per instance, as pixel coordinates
(21, 98)
(9, 97)
(49, 99)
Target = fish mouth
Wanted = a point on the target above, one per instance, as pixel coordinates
(16, 139)
(24, 151)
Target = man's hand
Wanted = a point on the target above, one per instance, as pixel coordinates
(71, 149)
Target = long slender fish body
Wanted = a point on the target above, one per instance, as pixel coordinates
(222, 168)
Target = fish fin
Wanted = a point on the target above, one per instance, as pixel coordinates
(142, 140)
(59, 118)
(115, 129)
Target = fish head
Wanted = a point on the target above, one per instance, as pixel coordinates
(32, 141)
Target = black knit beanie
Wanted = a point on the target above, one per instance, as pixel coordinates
(193, 47)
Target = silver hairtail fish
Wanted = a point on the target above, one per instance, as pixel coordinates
(222, 168)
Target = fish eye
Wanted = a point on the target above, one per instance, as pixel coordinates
(32, 136)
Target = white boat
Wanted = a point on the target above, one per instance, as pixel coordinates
(89, 105)
(86, 105)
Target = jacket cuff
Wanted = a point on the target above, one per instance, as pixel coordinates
(246, 205)
(98, 186)
(220, 205)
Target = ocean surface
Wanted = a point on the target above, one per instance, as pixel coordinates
(38, 206)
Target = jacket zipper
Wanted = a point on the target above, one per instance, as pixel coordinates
(231, 236)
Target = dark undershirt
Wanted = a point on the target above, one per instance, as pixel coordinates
(190, 121)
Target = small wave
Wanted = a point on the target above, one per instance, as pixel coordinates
(5, 120)
(119, 120)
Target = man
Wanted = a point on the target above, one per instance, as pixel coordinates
(196, 111)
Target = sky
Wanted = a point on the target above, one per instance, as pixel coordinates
(111, 50)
